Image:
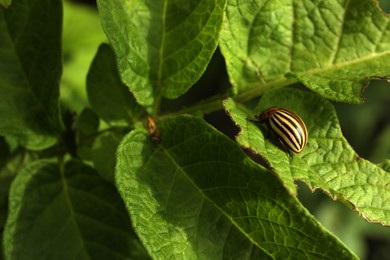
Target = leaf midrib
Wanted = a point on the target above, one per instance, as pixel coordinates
(26, 80)
(162, 45)
(180, 169)
(346, 63)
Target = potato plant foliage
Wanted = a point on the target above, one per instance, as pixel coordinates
(127, 167)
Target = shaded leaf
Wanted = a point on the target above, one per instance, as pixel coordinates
(11, 167)
(13, 163)
(163, 47)
(66, 214)
(5, 151)
(87, 122)
(333, 47)
(111, 100)
(103, 154)
(328, 161)
(382, 145)
(86, 127)
(30, 69)
(196, 195)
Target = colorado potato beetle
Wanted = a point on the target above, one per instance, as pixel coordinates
(288, 126)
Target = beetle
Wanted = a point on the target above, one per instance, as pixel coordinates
(154, 134)
(288, 126)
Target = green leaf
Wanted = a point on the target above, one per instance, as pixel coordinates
(331, 47)
(111, 100)
(11, 167)
(163, 47)
(81, 37)
(12, 164)
(328, 161)
(196, 195)
(103, 154)
(87, 122)
(382, 145)
(385, 165)
(5, 3)
(65, 213)
(86, 126)
(30, 69)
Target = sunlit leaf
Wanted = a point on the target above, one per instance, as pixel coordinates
(328, 162)
(161, 47)
(110, 99)
(333, 47)
(196, 195)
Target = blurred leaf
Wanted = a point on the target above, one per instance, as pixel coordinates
(5, 3)
(363, 124)
(5, 151)
(198, 196)
(30, 68)
(385, 5)
(328, 162)
(347, 225)
(163, 47)
(111, 100)
(86, 127)
(82, 35)
(87, 122)
(66, 213)
(331, 47)
(338, 219)
(103, 154)
(344, 224)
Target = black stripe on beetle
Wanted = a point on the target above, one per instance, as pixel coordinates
(288, 126)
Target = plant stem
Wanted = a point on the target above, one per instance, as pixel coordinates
(215, 102)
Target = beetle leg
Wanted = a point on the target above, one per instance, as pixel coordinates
(248, 119)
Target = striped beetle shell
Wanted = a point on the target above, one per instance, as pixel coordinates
(288, 126)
